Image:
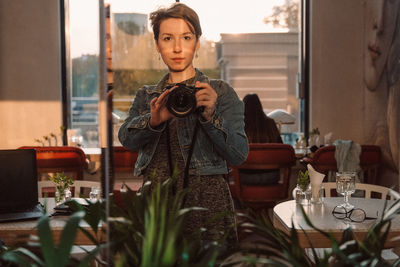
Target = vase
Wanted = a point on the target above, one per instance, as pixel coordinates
(302, 196)
(62, 196)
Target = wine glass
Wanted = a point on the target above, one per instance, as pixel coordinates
(346, 185)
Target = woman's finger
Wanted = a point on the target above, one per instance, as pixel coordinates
(203, 85)
(153, 102)
(162, 97)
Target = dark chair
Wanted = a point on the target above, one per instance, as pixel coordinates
(67, 159)
(124, 162)
(370, 161)
(124, 159)
(264, 156)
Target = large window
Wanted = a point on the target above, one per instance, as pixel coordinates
(82, 62)
(254, 47)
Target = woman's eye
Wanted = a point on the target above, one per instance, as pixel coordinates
(187, 37)
(167, 38)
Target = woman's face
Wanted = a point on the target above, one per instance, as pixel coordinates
(380, 20)
(177, 44)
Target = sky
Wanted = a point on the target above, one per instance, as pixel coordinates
(216, 16)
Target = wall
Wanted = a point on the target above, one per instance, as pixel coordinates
(340, 102)
(337, 81)
(30, 104)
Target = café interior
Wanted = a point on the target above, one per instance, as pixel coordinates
(338, 75)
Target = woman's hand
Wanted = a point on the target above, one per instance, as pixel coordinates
(207, 98)
(158, 110)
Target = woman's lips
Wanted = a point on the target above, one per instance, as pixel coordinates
(177, 59)
(374, 51)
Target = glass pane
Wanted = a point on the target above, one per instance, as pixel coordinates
(83, 92)
(254, 47)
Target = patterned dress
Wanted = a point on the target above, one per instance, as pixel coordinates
(209, 191)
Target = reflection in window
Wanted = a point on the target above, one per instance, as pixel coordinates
(254, 47)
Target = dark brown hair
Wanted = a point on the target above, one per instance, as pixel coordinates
(258, 126)
(178, 11)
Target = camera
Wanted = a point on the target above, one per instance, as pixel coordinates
(182, 100)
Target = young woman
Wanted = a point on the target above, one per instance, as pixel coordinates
(259, 128)
(205, 139)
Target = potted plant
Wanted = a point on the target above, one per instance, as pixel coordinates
(302, 192)
(147, 229)
(313, 140)
(62, 183)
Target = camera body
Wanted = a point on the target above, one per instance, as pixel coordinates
(182, 100)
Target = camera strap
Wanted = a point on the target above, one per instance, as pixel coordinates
(169, 151)
(186, 177)
(190, 153)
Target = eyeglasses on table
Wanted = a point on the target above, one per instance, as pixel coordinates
(355, 215)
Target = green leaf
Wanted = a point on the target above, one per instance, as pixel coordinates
(21, 257)
(68, 237)
(46, 240)
(91, 255)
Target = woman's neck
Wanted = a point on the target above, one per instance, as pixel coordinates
(176, 77)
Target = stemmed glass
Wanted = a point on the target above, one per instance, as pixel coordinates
(346, 185)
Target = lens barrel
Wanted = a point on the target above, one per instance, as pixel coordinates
(182, 100)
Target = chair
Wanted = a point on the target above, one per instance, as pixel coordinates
(394, 194)
(264, 156)
(124, 165)
(124, 159)
(370, 160)
(83, 187)
(47, 188)
(370, 191)
(68, 159)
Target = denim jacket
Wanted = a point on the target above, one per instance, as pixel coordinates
(219, 140)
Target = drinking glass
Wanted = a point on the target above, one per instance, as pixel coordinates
(346, 185)
(94, 194)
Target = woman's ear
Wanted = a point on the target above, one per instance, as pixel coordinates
(197, 45)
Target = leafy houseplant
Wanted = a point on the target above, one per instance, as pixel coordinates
(303, 180)
(313, 140)
(302, 193)
(62, 183)
(47, 139)
(147, 229)
(315, 131)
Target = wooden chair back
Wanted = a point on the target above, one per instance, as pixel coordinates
(124, 159)
(370, 161)
(67, 159)
(265, 156)
(370, 190)
(78, 189)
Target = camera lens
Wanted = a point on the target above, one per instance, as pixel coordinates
(181, 101)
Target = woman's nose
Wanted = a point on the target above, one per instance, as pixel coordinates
(177, 46)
